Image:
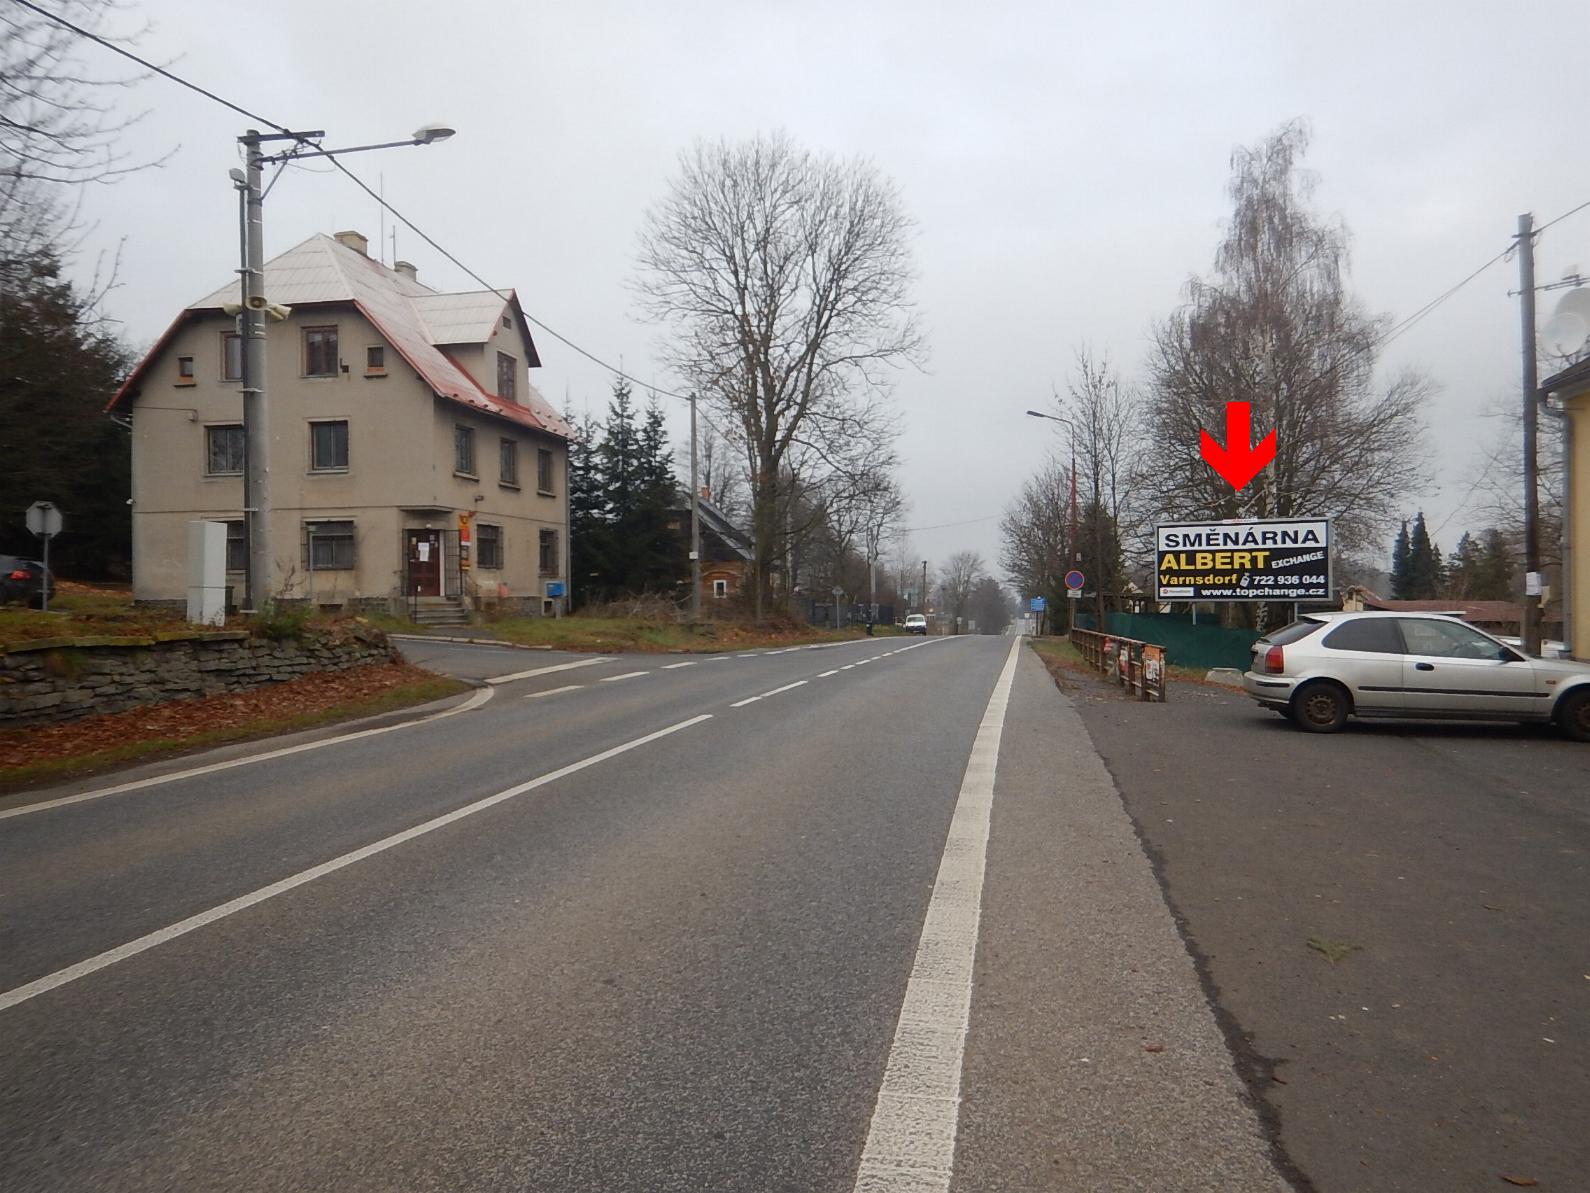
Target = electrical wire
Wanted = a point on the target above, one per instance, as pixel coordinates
(357, 181)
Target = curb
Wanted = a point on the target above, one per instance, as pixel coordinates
(465, 641)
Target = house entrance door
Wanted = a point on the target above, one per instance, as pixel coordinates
(424, 554)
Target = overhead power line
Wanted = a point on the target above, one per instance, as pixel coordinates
(90, 35)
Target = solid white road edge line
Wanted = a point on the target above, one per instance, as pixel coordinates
(501, 679)
(573, 687)
(132, 948)
(478, 697)
(910, 1145)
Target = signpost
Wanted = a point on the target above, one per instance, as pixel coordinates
(1275, 559)
(44, 520)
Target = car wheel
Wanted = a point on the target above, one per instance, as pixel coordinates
(1574, 715)
(1320, 708)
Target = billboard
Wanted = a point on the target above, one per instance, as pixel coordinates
(1271, 559)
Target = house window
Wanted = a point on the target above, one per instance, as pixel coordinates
(506, 322)
(236, 547)
(720, 588)
(464, 450)
(184, 370)
(328, 446)
(231, 357)
(543, 470)
(375, 358)
(549, 553)
(488, 545)
(508, 463)
(506, 367)
(223, 450)
(320, 352)
(328, 546)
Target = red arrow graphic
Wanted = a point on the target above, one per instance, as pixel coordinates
(1238, 461)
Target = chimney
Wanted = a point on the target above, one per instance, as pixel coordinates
(406, 268)
(356, 241)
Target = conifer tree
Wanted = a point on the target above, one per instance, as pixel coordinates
(1399, 564)
(1424, 563)
(587, 525)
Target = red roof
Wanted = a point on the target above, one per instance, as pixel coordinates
(322, 271)
(1476, 611)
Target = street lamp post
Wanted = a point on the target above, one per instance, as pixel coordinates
(251, 324)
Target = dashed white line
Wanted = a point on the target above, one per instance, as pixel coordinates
(910, 1144)
(753, 699)
(573, 687)
(626, 675)
(826, 674)
(132, 948)
(502, 679)
(676, 666)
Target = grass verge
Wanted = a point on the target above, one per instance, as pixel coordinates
(95, 744)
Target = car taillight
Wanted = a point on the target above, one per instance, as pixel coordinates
(19, 574)
(1274, 661)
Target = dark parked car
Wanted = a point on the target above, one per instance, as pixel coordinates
(24, 581)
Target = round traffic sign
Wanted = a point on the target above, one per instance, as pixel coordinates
(1074, 579)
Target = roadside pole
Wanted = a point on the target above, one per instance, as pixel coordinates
(695, 521)
(1526, 280)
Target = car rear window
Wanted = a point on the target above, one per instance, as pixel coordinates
(1295, 632)
(1378, 634)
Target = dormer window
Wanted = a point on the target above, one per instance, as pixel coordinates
(507, 370)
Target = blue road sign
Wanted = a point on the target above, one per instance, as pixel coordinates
(1036, 604)
(1074, 579)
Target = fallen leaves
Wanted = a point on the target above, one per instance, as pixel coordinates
(273, 707)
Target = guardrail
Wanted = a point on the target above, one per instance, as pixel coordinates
(1137, 666)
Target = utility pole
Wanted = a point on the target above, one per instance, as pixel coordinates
(256, 410)
(1526, 278)
(924, 587)
(695, 521)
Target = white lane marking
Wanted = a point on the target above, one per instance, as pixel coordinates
(911, 1142)
(573, 687)
(847, 666)
(478, 697)
(676, 666)
(718, 658)
(132, 948)
(753, 699)
(626, 675)
(500, 679)
(826, 674)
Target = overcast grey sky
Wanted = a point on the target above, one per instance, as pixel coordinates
(1066, 166)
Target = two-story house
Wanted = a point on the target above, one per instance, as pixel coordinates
(410, 457)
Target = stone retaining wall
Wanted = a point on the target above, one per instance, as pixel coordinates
(62, 679)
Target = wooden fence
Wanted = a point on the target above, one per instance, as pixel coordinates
(1139, 667)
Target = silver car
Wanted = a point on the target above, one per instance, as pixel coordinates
(1325, 667)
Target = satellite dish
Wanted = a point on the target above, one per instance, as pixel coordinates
(1564, 335)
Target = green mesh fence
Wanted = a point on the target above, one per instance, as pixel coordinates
(1186, 644)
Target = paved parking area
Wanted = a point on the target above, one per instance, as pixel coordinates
(1393, 924)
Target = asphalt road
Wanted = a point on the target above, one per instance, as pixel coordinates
(1442, 1040)
(645, 923)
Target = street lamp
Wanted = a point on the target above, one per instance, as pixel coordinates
(251, 323)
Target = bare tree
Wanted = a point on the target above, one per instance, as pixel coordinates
(1276, 328)
(58, 131)
(1036, 529)
(990, 606)
(786, 276)
(957, 579)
